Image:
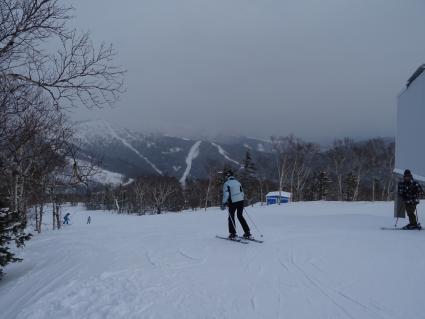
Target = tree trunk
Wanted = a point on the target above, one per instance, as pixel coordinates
(261, 192)
(58, 219)
(207, 194)
(15, 192)
(40, 220)
(53, 215)
(356, 191)
(37, 229)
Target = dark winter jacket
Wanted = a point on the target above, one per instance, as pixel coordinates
(410, 192)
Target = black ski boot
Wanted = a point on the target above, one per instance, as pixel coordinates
(248, 236)
(232, 236)
(412, 226)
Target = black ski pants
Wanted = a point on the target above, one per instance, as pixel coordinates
(410, 209)
(237, 207)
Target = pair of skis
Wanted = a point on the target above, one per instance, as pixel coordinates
(241, 240)
(399, 228)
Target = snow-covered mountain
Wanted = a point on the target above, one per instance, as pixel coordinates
(133, 154)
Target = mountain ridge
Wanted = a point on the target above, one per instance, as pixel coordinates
(134, 154)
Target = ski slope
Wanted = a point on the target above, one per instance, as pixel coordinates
(319, 260)
(131, 147)
(191, 156)
(224, 154)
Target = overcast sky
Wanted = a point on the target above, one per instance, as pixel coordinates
(316, 68)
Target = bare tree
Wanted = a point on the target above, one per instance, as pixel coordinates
(141, 192)
(76, 73)
(211, 168)
(302, 164)
(161, 191)
(340, 154)
(295, 163)
(389, 168)
(281, 147)
(38, 159)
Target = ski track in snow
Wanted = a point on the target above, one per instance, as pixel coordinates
(126, 143)
(319, 260)
(193, 153)
(224, 154)
(188, 256)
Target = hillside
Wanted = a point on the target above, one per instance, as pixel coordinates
(319, 260)
(134, 154)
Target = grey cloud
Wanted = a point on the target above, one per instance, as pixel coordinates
(318, 69)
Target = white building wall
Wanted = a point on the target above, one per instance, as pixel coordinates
(410, 138)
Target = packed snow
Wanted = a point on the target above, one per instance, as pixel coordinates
(319, 260)
(191, 156)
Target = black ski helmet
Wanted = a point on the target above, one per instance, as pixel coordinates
(408, 173)
(228, 173)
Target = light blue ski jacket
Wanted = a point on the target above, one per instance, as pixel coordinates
(232, 191)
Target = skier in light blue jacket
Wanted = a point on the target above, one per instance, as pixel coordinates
(233, 196)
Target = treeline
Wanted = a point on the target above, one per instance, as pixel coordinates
(347, 170)
(38, 156)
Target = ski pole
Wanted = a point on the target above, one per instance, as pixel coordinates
(233, 222)
(417, 217)
(252, 221)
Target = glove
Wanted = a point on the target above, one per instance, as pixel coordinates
(223, 207)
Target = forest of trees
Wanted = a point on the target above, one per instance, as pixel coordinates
(347, 170)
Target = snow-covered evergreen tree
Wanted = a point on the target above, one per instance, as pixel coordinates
(12, 229)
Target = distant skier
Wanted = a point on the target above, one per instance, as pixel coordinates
(89, 220)
(66, 219)
(233, 196)
(409, 191)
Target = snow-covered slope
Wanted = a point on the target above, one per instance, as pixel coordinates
(319, 260)
(104, 176)
(224, 153)
(191, 156)
(93, 131)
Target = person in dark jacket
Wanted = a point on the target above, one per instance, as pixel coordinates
(233, 196)
(410, 191)
(66, 219)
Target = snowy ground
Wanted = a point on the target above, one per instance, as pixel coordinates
(320, 260)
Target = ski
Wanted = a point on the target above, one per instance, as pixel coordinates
(237, 239)
(398, 228)
(252, 239)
